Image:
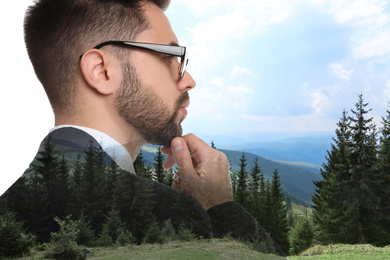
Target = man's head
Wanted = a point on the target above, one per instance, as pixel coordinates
(57, 32)
(149, 94)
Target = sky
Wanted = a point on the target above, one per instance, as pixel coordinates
(262, 66)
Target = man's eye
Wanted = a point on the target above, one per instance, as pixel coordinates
(168, 58)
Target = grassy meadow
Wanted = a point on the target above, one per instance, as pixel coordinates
(225, 249)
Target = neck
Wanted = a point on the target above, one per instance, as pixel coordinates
(122, 132)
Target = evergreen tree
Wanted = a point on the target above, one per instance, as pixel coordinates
(242, 183)
(361, 189)
(279, 226)
(213, 145)
(90, 195)
(301, 236)
(254, 189)
(114, 224)
(135, 203)
(169, 176)
(159, 171)
(328, 208)
(13, 238)
(263, 213)
(140, 168)
(48, 191)
(63, 188)
(383, 183)
(347, 203)
(268, 212)
(85, 235)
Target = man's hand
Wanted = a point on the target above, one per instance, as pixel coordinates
(203, 171)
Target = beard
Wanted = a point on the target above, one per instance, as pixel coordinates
(146, 111)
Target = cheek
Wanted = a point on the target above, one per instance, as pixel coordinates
(157, 75)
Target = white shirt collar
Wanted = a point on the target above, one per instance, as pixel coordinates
(114, 149)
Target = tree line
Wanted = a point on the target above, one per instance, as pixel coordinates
(352, 202)
(96, 195)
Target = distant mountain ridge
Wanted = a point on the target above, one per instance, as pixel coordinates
(304, 147)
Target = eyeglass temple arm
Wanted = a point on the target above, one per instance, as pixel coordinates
(160, 48)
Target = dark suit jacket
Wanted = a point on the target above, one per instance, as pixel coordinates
(140, 200)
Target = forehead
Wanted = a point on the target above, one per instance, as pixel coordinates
(160, 30)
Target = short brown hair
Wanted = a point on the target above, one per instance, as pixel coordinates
(57, 32)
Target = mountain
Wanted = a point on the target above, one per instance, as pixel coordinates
(309, 149)
(296, 178)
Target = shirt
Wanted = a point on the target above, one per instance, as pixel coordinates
(112, 147)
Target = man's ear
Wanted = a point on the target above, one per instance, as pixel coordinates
(97, 71)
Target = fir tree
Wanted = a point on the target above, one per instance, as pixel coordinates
(48, 191)
(328, 206)
(159, 171)
(242, 182)
(90, 195)
(361, 191)
(279, 226)
(301, 236)
(140, 168)
(383, 184)
(254, 189)
(169, 176)
(135, 203)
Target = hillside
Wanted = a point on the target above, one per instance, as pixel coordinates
(296, 179)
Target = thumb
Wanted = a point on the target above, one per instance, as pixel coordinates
(184, 162)
(181, 154)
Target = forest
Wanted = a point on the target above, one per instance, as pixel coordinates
(85, 201)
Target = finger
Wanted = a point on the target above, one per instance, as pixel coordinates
(183, 160)
(169, 162)
(166, 150)
(199, 149)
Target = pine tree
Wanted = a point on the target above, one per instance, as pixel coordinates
(328, 209)
(169, 176)
(159, 171)
(347, 201)
(213, 145)
(140, 168)
(254, 189)
(48, 191)
(63, 188)
(361, 191)
(279, 226)
(135, 203)
(242, 182)
(263, 213)
(301, 236)
(90, 195)
(383, 184)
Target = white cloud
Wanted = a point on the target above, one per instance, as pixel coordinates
(376, 45)
(356, 10)
(386, 91)
(237, 72)
(240, 91)
(340, 71)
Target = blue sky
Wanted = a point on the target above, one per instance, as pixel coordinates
(285, 66)
(261, 66)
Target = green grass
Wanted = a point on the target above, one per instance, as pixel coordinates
(225, 249)
(341, 251)
(300, 210)
(198, 249)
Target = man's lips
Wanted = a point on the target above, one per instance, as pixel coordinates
(183, 107)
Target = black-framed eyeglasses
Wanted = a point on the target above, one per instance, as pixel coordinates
(178, 51)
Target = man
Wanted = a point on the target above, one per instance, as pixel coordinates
(116, 78)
